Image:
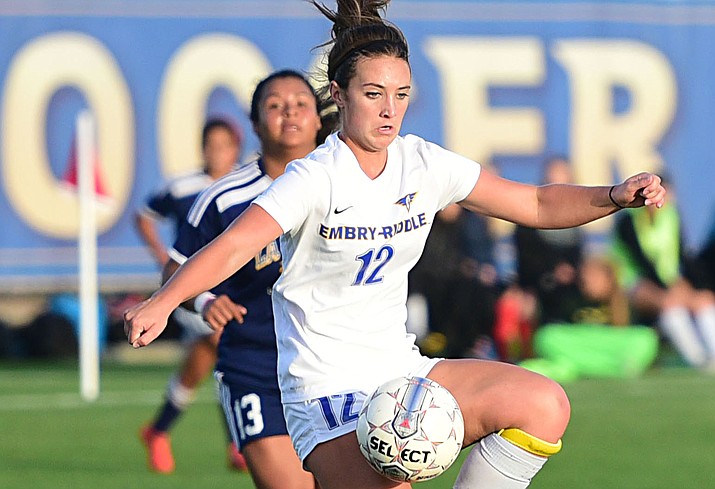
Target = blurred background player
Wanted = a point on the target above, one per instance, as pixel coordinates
(454, 286)
(548, 259)
(593, 336)
(547, 267)
(285, 117)
(601, 299)
(221, 147)
(662, 280)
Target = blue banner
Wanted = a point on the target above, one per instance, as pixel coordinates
(617, 86)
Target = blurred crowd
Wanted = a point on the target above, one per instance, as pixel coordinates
(569, 308)
(565, 307)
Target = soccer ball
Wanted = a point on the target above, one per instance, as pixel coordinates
(410, 429)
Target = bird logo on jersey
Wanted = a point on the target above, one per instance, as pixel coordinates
(407, 200)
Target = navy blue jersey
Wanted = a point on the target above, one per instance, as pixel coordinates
(174, 199)
(247, 352)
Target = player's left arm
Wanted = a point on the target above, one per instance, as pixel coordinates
(559, 205)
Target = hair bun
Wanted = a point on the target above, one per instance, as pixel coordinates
(353, 13)
(359, 30)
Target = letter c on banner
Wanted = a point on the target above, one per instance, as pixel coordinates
(64, 59)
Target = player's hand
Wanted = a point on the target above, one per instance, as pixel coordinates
(144, 322)
(639, 190)
(221, 310)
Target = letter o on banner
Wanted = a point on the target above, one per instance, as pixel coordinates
(197, 68)
(64, 59)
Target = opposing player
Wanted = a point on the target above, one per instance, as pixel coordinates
(221, 144)
(284, 114)
(353, 217)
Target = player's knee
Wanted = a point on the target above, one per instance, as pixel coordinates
(550, 407)
(702, 300)
(560, 399)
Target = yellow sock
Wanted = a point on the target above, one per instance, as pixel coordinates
(530, 443)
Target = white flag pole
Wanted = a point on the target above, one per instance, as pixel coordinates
(89, 336)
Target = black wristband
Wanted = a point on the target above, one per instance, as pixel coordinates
(610, 196)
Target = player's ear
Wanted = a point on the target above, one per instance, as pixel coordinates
(337, 94)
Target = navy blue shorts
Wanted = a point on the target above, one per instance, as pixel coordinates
(251, 413)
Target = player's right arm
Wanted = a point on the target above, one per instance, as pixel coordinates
(217, 311)
(213, 264)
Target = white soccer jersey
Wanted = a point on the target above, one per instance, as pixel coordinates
(348, 246)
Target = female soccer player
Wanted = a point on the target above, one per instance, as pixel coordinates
(353, 217)
(221, 142)
(284, 114)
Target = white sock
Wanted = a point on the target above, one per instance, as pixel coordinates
(178, 394)
(705, 321)
(679, 328)
(495, 463)
(417, 315)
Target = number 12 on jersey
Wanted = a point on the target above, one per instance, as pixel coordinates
(371, 263)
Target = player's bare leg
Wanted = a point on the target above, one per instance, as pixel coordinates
(494, 396)
(200, 361)
(274, 464)
(339, 464)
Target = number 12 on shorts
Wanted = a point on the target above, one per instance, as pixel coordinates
(343, 404)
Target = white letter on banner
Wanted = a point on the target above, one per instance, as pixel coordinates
(200, 66)
(600, 137)
(468, 66)
(64, 59)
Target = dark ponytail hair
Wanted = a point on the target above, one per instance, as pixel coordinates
(359, 31)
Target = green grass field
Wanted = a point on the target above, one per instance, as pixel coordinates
(657, 432)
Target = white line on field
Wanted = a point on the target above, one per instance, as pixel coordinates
(68, 400)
